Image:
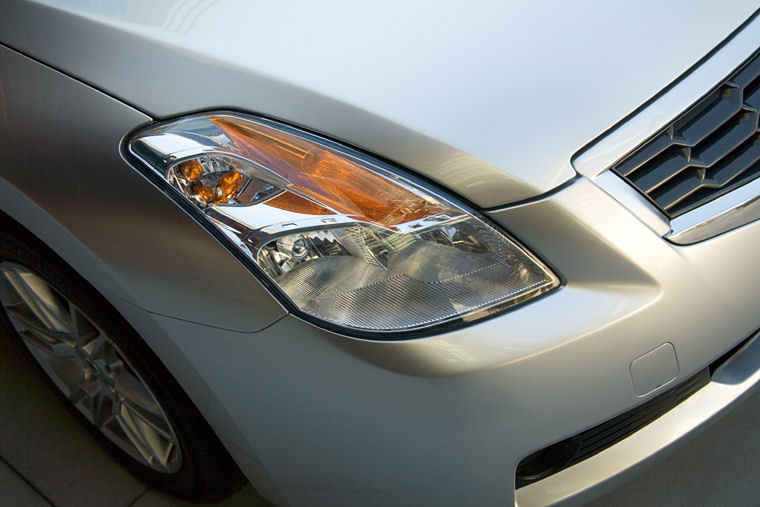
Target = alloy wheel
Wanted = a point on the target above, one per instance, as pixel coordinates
(88, 368)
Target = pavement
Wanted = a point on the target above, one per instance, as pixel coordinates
(47, 458)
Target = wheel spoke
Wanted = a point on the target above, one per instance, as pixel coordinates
(88, 367)
(24, 318)
(153, 420)
(133, 437)
(96, 348)
(8, 295)
(39, 298)
(77, 394)
(102, 408)
(47, 344)
(151, 445)
(82, 329)
(132, 389)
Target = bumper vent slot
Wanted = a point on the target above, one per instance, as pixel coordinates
(712, 149)
(573, 450)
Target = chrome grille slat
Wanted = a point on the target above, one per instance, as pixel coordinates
(723, 173)
(645, 154)
(718, 108)
(752, 95)
(713, 148)
(706, 194)
(665, 166)
(732, 134)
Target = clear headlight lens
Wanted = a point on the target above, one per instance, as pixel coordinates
(345, 238)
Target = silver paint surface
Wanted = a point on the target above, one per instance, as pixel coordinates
(654, 369)
(491, 102)
(482, 97)
(60, 162)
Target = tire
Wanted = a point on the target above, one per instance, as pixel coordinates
(107, 375)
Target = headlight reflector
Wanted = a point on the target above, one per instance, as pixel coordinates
(344, 237)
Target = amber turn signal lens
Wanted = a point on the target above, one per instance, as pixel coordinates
(191, 169)
(289, 201)
(327, 177)
(201, 191)
(228, 187)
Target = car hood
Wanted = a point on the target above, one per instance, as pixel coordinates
(491, 99)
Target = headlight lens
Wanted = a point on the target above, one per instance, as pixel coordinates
(346, 239)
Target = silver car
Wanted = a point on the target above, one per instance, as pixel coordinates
(407, 253)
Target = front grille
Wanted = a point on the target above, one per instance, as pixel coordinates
(571, 451)
(712, 149)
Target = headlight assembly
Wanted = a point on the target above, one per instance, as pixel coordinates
(344, 238)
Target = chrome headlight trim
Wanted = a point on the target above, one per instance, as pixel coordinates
(154, 158)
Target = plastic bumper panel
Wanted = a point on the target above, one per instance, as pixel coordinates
(589, 479)
(329, 420)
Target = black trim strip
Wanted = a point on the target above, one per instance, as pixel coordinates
(571, 451)
(602, 436)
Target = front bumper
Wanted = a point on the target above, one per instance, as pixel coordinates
(732, 382)
(320, 419)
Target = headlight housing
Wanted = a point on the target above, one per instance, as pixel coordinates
(344, 238)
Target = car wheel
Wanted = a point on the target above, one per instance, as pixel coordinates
(103, 370)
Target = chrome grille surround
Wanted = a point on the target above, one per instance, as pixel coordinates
(710, 150)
